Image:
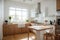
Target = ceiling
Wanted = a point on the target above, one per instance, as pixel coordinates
(26, 1)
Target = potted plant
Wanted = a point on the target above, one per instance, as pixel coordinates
(27, 21)
(10, 19)
(6, 21)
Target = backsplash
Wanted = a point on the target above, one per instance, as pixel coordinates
(42, 19)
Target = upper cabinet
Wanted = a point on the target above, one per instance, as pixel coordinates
(58, 5)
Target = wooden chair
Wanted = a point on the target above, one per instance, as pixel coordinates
(48, 36)
(57, 37)
(27, 25)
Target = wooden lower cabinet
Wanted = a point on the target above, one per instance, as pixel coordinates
(57, 29)
(11, 29)
(23, 30)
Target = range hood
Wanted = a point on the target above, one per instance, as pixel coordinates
(38, 8)
(38, 11)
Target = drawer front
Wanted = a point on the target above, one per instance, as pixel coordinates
(57, 31)
(23, 30)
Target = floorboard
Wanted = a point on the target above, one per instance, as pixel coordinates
(23, 36)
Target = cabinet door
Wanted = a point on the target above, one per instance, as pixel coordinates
(16, 29)
(24, 30)
(19, 30)
(57, 29)
(5, 29)
(11, 29)
(58, 5)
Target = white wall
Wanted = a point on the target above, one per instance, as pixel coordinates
(1, 19)
(51, 5)
(51, 12)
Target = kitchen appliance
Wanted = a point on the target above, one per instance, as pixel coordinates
(38, 9)
(58, 20)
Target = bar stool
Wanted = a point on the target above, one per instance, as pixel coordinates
(48, 36)
(57, 37)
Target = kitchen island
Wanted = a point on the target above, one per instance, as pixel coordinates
(39, 29)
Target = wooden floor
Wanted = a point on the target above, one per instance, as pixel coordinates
(20, 37)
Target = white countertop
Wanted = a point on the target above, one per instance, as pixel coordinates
(41, 27)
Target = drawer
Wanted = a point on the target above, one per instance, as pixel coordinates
(23, 30)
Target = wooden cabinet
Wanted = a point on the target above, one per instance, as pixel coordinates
(11, 29)
(57, 29)
(58, 5)
(23, 30)
(5, 29)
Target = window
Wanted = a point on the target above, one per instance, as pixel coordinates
(18, 14)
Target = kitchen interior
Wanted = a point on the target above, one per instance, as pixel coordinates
(31, 20)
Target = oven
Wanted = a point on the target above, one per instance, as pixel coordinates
(58, 20)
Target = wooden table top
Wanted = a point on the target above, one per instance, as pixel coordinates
(40, 28)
